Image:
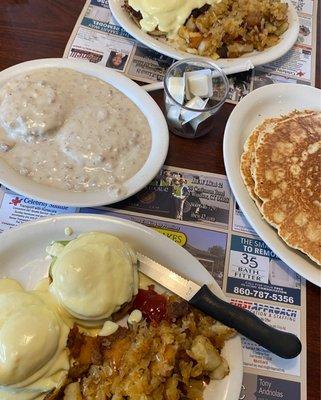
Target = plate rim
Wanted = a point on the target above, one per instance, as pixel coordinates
(292, 257)
(8, 236)
(159, 133)
(256, 58)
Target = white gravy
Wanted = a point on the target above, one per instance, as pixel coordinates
(71, 131)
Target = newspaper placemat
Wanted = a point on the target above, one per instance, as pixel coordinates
(98, 38)
(197, 211)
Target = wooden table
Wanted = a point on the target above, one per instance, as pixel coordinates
(31, 29)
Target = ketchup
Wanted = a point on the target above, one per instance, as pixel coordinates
(151, 304)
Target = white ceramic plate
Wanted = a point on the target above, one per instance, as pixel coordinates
(22, 257)
(144, 102)
(268, 101)
(257, 58)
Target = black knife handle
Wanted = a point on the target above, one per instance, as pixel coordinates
(285, 345)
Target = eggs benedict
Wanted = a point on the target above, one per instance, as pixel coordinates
(165, 15)
(93, 276)
(33, 354)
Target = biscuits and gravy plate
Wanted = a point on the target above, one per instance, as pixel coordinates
(77, 134)
(27, 262)
(159, 44)
(272, 159)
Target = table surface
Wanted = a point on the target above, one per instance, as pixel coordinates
(31, 29)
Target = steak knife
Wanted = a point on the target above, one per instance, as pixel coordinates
(283, 344)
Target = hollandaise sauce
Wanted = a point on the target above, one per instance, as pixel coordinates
(33, 355)
(93, 276)
(166, 15)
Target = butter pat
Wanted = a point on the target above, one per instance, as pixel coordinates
(199, 83)
(176, 87)
(108, 328)
(195, 102)
(135, 317)
(198, 120)
(173, 115)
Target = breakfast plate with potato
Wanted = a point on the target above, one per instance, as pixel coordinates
(99, 330)
(229, 32)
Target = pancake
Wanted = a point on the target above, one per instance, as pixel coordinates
(267, 127)
(286, 174)
(246, 161)
(248, 157)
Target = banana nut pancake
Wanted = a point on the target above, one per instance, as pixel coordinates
(288, 181)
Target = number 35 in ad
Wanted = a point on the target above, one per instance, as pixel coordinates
(255, 271)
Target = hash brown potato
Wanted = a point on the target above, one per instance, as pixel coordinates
(170, 360)
(229, 28)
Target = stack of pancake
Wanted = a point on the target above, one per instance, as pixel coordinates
(281, 168)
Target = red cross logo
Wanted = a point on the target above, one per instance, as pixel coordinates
(300, 73)
(15, 201)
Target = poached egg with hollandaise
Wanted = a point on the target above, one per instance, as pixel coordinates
(166, 15)
(93, 276)
(33, 354)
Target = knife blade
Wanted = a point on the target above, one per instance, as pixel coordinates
(283, 344)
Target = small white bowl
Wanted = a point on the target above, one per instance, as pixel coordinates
(159, 131)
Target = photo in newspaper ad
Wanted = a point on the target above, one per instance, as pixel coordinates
(186, 196)
(295, 63)
(263, 78)
(304, 6)
(280, 317)
(239, 85)
(148, 64)
(98, 48)
(240, 223)
(305, 32)
(99, 10)
(259, 387)
(99, 17)
(255, 271)
(208, 246)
